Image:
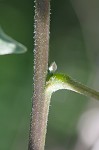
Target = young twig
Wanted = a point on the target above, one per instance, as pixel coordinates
(62, 81)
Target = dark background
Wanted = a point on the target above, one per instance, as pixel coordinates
(74, 46)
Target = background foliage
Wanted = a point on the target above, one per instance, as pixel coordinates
(75, 52)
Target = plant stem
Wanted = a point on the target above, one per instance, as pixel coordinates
(61, 81)
(84, 90)
(42, 89)
(39, 106)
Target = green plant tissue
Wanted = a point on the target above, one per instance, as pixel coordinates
(9, 45)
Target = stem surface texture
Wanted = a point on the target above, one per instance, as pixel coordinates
(39, 110)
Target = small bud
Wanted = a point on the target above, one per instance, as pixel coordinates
(53, 67)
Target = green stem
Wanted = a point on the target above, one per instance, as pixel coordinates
(82, 89)
(61, 81)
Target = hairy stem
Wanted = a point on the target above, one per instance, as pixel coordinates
(39, 111)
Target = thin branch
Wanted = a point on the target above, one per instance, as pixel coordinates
(39, 111)
(61, 81)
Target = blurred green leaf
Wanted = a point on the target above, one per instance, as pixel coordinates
(9, 45)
